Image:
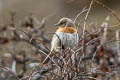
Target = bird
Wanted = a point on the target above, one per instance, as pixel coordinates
(65, 36)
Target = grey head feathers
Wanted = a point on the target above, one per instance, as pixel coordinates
(65, 22)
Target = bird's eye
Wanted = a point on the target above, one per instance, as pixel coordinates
(62, 23)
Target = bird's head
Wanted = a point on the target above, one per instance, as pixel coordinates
(65, 22)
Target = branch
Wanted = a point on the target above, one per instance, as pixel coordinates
(109, 9)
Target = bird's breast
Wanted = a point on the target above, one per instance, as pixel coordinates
(67, 29)
(67, 39)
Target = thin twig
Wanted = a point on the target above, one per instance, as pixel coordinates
(84, 27)
(86, 17)
(84, 10)
(48, 56)
(109, 9)
(7, 69)
(101, 46)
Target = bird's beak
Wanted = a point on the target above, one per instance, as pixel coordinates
(57, 24)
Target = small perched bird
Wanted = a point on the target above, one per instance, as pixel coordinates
(65, 36)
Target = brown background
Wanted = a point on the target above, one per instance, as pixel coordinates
(57, 9)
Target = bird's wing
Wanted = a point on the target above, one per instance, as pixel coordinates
(54, 46)
(56, 43)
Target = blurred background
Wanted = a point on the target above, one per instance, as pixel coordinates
(55, 9)
(11, 43)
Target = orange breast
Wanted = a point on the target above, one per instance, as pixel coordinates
(67, 29)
